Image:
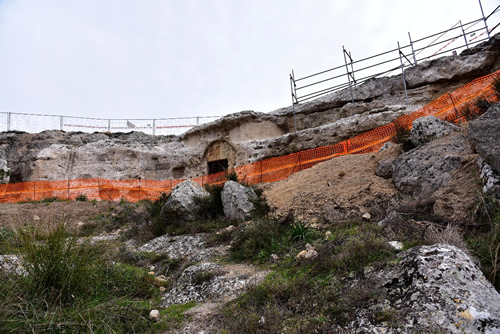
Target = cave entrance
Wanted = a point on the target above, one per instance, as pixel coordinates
(217, 166)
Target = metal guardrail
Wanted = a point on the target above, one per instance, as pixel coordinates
(355, 72)
(160, 126)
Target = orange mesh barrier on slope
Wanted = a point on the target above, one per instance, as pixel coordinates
(458, 106)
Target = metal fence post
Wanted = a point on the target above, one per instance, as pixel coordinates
(8, 121)
(154, 127)
(61, 122)
(484, 19)
(412, 50)
(197, 120)
(293, 89)
(463, 32)
(348, 74)
(109, 124)
(403, 73)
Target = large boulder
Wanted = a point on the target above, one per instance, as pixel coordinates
(237, 200)
(181, 202)
(425, 169)
(426, 129)
(433, 289)
(483, 134)
(4, 172)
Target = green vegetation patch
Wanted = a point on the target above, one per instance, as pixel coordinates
(71, 286)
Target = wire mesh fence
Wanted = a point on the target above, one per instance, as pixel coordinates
(459, 106)
(34, 123)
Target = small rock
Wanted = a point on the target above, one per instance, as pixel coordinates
(274, 257)
(328, 234)
(228, 229)
(262, 321)
(396, 244)
(36, 218)
(162, 289)
(152, 268)
(367, 216)
(154, 315)
(152, 273)
(80, 224)
(161, 278)
(308, 253)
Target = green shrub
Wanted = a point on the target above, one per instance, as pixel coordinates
(232, 176)
(258, 241)
(81, 198)
(210, 207)
(403, 138)
(299, 231)
(70, 287)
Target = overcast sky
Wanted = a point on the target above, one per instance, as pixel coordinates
(166, 58)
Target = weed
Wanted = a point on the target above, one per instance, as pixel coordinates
(484, 240)
(81, 198)
(71, 288)
(403, 138)
(232, 176)
(203, 276)
(258, 241)
(210, 207)
(482, 105)
(173, 316)
(496, 87)
(299, 231)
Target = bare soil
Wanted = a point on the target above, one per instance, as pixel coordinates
(46, 215)
(343, 187)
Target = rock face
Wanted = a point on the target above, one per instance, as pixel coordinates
(426, 129)
(242, 137)
(182, 203)
(428, 167)
(384, 168)
(433, 289)
(4, 172)
(237, 200)
(484, 133)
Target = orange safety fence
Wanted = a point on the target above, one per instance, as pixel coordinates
(458, 107)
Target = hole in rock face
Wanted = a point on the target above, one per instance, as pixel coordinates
(178, 172)
(217, 166)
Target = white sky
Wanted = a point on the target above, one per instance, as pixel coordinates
(166, 58)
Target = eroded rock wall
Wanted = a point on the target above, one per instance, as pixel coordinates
(243, 137)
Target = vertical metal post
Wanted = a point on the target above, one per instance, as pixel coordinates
(403, 73)
(154, 127)
(463, 32)
(484, 19)
(34, 190)
(61, 122)
(293, 89)
(109, 125)
(348, 74)
(8, 121)
(139, 188)
(412, 50)
(352, 69)
(68, 189)
(197, 120)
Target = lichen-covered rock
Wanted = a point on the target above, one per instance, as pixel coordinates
(12, 264)
(208, 281)
(491, 179)
(181, 202)
(192, 247)
(237, 200)
(4, 172)
(433, 289)
(426, 129)
(425, 169)
(484, 133)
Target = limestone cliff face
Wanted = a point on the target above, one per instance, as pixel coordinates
(243, 137)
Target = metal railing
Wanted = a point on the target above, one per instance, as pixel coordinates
(355, 72)
(33, 123)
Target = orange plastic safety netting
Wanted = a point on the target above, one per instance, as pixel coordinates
(459, 106)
